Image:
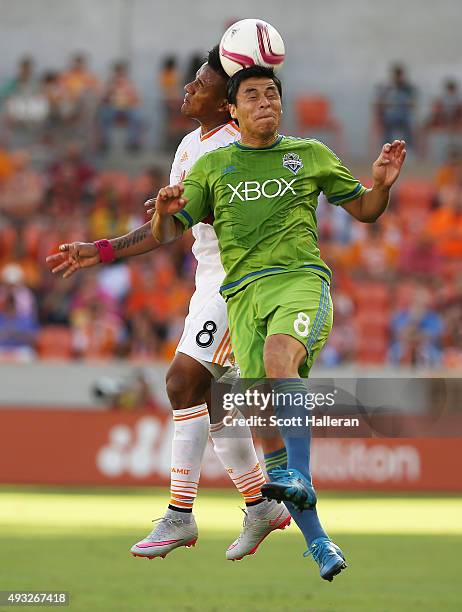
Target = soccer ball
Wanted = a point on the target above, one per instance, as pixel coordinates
(251, 42)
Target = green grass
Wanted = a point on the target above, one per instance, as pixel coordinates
(403, 553)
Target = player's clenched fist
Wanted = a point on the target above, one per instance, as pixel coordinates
(169, 200)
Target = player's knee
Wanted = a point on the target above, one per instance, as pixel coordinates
(182, 391)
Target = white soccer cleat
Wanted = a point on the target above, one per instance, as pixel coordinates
(166, 536)
(256, 527)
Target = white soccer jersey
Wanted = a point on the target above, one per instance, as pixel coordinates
(210, 273)
(206, 335)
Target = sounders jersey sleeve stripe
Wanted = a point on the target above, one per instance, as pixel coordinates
(185, 218)
(357, 192)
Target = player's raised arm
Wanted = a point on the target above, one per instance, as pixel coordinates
(79, 255)
(164, 226)
(385, 171)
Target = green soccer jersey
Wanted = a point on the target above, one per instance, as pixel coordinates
(264, 205)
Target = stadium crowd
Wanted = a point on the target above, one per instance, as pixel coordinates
(49, 106)
(397, 283)
(397, 286)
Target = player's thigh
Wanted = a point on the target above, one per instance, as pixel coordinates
(303, 310)
(206, 336)
(247, 333)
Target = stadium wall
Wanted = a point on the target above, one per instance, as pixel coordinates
(341, 49)
(75, 447)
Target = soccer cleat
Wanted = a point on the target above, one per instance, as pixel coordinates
(165, 537)
(255, 528)
(290, 486)
(328, 556)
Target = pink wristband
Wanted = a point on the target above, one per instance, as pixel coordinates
(106, 250)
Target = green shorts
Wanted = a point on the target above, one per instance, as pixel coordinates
(294, 303)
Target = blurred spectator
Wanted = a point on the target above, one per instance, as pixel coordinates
(449, 174)
(147, 185)
(6, 165)
(55, 303)
(97, 327)
(373, 252)
(447, 108)
(419, 255)
(169, 80)
(195, 62)
(394, 107)
(145, 342)
(70, 177)
(98, 332)
(23, 191)
(12, 282)
(79, 82)
(83, 90)
(451, 310)
(17, 331)
(175, 124)
(444, 225)
(22, 82)
(120, 103)
(18, 319)
(416, 333)
(25, 104)
(342, 343)
(60, 108)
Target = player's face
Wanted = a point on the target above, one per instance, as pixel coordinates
(205, 96)
(258, 106)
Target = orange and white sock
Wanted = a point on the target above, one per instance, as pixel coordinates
(191, 431)
(236, 451)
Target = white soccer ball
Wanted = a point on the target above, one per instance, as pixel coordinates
(251, 42)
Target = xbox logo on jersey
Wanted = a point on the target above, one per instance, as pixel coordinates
(246, 191)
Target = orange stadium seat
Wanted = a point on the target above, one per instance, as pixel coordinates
(417, 194)
(371, 295)
(372, 350)
(54, 342)
(372, 322)
(314, 112)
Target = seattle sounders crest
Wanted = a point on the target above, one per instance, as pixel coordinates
(292, 162)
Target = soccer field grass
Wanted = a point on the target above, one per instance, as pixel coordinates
(403, 554)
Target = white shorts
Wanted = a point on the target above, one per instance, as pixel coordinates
(205, 336)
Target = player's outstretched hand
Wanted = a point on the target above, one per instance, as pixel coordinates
(386, 168)
(72, 257)
(169, 200)
(150, 206)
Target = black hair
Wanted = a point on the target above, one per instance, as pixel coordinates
(248, 73)
(213, 60)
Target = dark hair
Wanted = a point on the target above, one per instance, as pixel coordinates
(213, 60)
(248, 73)
(169, 62)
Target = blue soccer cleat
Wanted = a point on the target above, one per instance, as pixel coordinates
(290, 486)
(328, 556)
